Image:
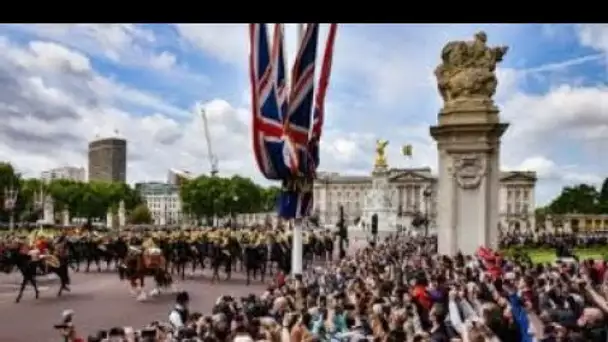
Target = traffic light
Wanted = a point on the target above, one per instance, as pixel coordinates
(375, 224)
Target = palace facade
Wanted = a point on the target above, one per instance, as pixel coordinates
(413, 192)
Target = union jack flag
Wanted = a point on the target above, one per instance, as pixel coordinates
(283, 138)
(281, 123)
(319, 111)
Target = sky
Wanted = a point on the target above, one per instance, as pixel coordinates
(63, 85)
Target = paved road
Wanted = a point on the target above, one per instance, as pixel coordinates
(102, 301)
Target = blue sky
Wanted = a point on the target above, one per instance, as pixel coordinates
(73, 82)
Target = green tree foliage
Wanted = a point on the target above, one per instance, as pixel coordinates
(603, 197)
(9, 179)
(270, 196)
(208, 196)
(582, 198)
(141, 215)
(202, 197)
(88, 200)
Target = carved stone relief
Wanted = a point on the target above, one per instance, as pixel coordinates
(469, 170)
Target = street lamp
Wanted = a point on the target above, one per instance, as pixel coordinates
(427, 193)
(233, 215)
(342, 232)
(10, 201)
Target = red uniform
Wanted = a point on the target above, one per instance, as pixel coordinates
(421, 295)
(42, 246)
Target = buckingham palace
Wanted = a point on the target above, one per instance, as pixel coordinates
(413, 192)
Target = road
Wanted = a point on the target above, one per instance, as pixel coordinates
(101, 301)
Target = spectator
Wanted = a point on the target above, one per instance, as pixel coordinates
(179, 315)
(402, 291)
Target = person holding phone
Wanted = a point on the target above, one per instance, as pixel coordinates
(66, 327)
(180, 314)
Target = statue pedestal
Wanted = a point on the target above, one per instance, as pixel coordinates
(65, 217)
(110, 220)
(48, 211)
(122, 216)
(468, 143)
(378, 201)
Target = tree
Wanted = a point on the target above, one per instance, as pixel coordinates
(603, 197)
(141, 215)
(92, 200)
(205, 197)
(270, 196)
(29, 202)
(9, 179)
(582, 198)
(246, 195)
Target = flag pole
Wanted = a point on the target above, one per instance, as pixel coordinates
(297, 248)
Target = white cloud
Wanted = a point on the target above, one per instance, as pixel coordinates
(117, 42)
(594, 36)
(54, 98)
(548, 170)
(165, 60)
(124, 44)
(163, 136)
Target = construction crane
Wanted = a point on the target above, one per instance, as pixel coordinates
(213, 161)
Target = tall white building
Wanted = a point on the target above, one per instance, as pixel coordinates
(67, 172)
(413, 192)
(163, 201)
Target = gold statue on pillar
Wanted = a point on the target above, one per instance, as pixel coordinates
(380, 154)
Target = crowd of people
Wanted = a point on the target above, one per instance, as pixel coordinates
(400, 290)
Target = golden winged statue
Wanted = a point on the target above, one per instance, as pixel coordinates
(380, 153)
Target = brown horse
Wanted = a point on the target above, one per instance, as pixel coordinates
(139, 264)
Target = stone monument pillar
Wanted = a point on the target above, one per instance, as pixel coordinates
(122, 215)
(48, 210)
(378, 200)
(549, 225)
(65, 217)
(110, 219)
(468, 143)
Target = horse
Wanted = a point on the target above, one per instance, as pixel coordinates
(139, 264)
(28, 262)
(180, 255)
(254, 259)
(220, 255)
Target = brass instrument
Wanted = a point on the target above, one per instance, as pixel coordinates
(51, 261)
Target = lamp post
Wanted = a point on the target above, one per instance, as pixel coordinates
(166, 223)
(427, 198)
(10, 201)
(235, 199)
(343, 233)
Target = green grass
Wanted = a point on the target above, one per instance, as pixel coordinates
(548, 255)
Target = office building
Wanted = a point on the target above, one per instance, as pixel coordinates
(162, 200)
(108, 160)
(176, 177)
(77, 174)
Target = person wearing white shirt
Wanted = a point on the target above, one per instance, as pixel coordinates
(179, 315)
